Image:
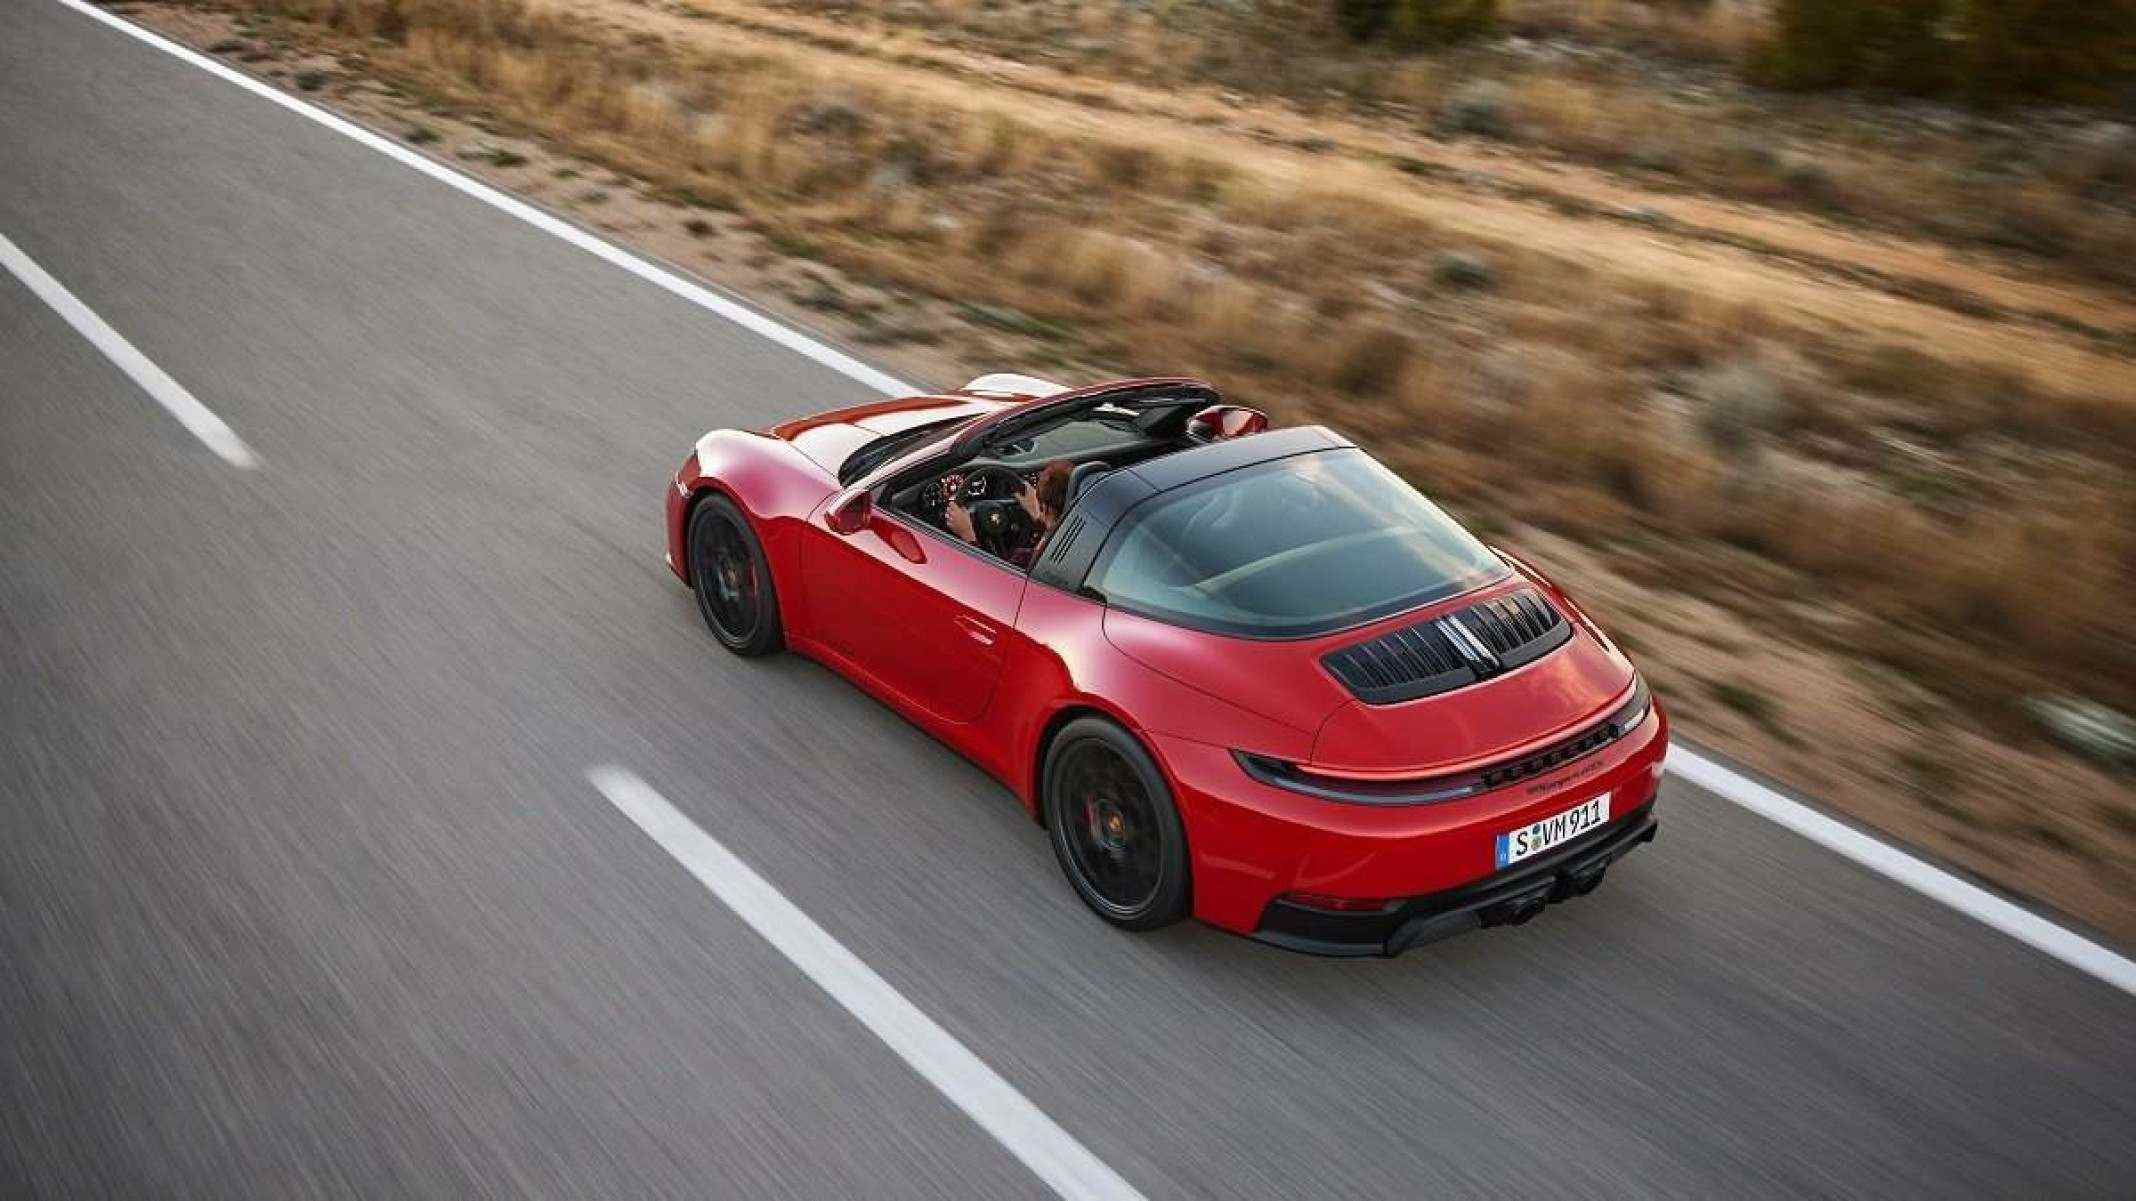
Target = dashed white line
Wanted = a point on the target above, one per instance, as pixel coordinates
(164, 390)
(2035, 931)
(1064, 1164)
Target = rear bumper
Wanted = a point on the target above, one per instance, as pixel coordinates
(1507, 898)
(1252, 844)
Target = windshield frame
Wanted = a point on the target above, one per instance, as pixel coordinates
(914, 442)
(1117, 537)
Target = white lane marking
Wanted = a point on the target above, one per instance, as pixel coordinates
(1058, 1159)
(1970, 899)
(160, 387)
(2036, 931)
(738, 313)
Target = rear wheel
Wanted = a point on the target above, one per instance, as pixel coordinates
(1113, 826)
(732, 579)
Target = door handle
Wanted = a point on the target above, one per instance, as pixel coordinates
(977, 630)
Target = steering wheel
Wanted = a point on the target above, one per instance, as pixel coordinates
(998, 518)
(994, 480)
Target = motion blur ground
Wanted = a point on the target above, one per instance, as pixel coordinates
(306, 892)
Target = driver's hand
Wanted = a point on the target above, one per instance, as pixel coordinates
(959, 522)
(1027, 496)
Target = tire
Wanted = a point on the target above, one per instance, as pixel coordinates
(732, 579)
(1124, 854)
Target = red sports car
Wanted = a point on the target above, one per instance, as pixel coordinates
(1242, 673)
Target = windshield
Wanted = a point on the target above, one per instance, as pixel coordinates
(889, 446)
(1300, 546)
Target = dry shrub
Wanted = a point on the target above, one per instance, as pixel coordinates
(1694, 30)
(1367, 360)
(747, 139)
(1682, 486)
(1566, 111)
(2050, 578)
(1125, 167)
(1244, 323)
(544, 80)
(1100, 268)
(1740, 403)
(993, 144)
(1270, 203)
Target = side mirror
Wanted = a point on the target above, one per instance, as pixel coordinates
(849, 513)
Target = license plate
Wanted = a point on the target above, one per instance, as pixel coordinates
(1555, 830)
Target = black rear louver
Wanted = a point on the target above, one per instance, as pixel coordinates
(1452, 650)
(1066, 537)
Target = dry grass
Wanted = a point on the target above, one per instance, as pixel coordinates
(1541, 395)
(1725, 31)
(1650, 94)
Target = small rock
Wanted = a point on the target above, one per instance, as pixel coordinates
(2086, 727)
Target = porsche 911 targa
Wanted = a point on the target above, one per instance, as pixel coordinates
(1237, 672)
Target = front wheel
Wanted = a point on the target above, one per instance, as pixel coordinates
(732, 579)
(1113, 826)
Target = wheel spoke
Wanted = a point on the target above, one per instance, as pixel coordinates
(1110, 827)
(727, 581)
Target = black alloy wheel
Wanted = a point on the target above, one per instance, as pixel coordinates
(1113, 826)
(732, 579)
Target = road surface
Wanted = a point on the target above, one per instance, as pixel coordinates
(304, 889)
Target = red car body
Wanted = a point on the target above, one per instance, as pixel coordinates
(991, 661)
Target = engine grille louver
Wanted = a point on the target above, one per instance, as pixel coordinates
(1452, 650)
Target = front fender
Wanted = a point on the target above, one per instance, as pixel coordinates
(775, 486)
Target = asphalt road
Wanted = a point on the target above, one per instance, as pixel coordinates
(303, 890)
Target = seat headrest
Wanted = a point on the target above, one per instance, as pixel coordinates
(1084, 475)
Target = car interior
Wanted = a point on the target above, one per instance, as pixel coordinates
(1092, 441)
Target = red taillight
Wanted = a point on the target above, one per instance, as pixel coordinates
(1314, 900)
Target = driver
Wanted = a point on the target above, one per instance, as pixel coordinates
(1043, 501)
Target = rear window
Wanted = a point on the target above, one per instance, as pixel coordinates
(1300, 546)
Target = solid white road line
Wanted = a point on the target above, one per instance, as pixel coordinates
(740, 314)
(2036, 931)
(2014, 920)
(1063, 1163)
(164, 390)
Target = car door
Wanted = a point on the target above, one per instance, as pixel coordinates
(924, 613)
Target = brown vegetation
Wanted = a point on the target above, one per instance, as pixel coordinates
(1651, 89)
